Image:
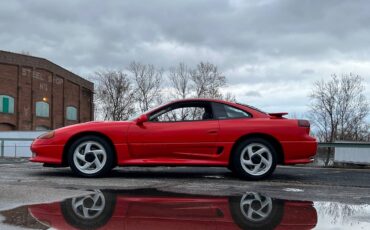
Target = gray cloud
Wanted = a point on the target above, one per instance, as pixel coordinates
(252, 93)
(266, 42)
(308, 71)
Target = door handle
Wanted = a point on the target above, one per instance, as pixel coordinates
(212, 131)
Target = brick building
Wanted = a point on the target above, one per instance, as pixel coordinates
(36, 94)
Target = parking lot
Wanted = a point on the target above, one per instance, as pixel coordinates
(25, 184)
(199, 180)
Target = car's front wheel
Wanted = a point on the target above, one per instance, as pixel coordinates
(90, 156)
(92, 211)
(254, 159)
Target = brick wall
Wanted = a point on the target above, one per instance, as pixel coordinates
(58, 101)
(72, 98)
(8, 86)
(25, 107)
(42, 81)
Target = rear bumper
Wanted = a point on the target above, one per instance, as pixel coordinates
(51, 154)
(299, 152)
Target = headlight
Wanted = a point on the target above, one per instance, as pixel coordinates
(47, 135)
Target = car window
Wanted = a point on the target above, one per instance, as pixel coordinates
(235, 113)
(183, 112)
(223, 111)
(251, 107)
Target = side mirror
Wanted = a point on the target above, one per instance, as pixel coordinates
(140, 120)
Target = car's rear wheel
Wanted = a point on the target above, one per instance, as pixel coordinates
(256, 211)
(254, 159)
(91, 156)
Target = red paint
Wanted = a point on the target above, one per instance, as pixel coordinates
(152, 212)
(186, 142)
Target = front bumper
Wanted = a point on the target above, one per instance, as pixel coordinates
(51, 154)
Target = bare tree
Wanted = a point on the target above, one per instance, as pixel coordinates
(120, 95)
(180, 81)
(339, 109)
(204, 81)
(115, 95)
(207, 81)
(148, 82)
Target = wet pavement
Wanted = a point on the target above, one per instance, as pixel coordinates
(153, 209)
(33, 197)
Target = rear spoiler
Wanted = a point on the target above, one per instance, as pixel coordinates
(278, 114)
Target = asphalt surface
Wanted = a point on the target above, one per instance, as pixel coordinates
(25, 183)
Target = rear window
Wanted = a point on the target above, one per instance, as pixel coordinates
(252, 107)
(223, 111)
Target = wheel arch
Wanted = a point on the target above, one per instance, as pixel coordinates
(76, 136)
(271, 139)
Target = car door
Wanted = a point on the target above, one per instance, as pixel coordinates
(179, 131)
(234, 123)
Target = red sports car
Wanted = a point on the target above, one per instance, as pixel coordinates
(191, 132)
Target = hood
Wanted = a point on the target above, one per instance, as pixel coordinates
(93, 125)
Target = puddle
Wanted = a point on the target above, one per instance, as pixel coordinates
(152, 209)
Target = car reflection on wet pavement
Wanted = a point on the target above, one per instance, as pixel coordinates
(153, 209)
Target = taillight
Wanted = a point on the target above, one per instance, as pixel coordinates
(304, 123)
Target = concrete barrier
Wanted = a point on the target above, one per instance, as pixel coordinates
(345, 152)
(352, 155)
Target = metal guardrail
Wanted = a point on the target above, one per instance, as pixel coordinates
(320, 144)
(2, 143)
(344, 144)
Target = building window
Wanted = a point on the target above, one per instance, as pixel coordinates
(6, 104)
(42, 109)
(42, 128)
(71, 113)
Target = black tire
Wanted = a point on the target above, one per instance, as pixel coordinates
(77, 221)
(236, 164)
(109, 163)
(269, 222)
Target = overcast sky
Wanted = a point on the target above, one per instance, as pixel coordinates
(270, 51)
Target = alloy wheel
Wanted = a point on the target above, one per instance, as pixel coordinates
(256, 159)
(90, 157)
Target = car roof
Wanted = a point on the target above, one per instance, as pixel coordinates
(202, 99)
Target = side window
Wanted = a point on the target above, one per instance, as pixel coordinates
(6, 104)
(42, 109)
(235, 113)
(223, 111)
(183, 112)
(71, 113)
